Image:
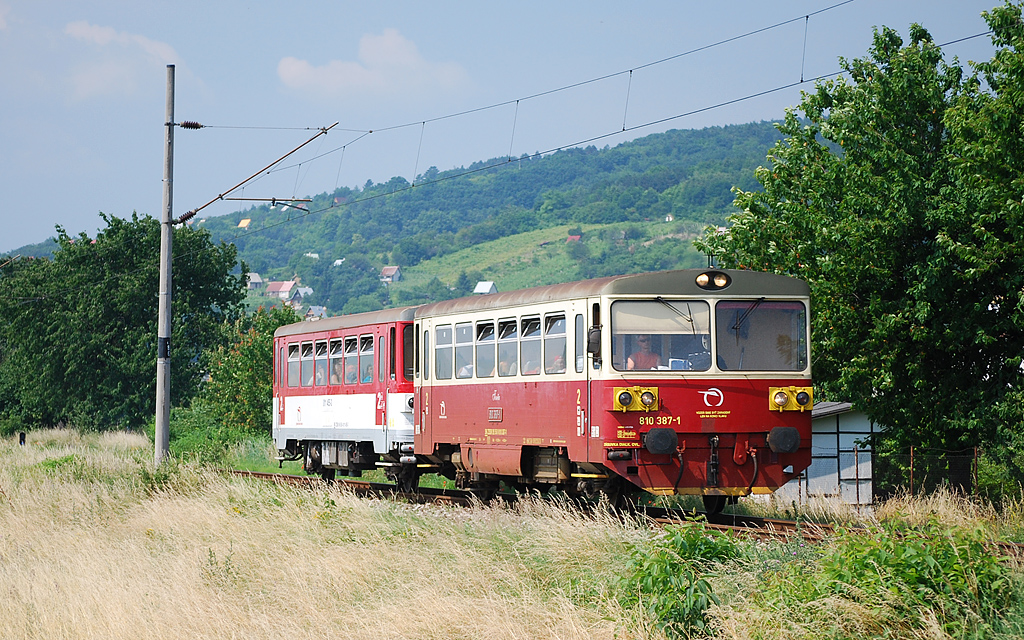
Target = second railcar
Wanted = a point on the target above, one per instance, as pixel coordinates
(343, 393)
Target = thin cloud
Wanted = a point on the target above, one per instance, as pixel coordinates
(386, 63)
(123, 57)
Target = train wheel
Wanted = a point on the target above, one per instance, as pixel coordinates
(714, 504)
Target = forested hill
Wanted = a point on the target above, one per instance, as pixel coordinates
(685, 174)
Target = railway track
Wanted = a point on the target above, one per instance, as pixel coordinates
(745, 525)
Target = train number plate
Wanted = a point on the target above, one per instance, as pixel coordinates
(494, 414)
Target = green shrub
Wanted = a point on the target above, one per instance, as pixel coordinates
(664, 576)
(947, 570)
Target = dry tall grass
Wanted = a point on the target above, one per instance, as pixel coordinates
(93, 544)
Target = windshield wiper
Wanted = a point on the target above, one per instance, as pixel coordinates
(739, 321)
(688, 318)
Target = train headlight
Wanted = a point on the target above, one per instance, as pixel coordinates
(635, 399)
(625, 399)
(790, 398)
(780, 398)
(713, 280)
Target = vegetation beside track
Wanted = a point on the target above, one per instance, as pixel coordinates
(95, 543)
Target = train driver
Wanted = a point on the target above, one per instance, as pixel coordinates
(644, 358)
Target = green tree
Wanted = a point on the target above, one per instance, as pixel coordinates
(79, 331)
(238, 393)
(873, 197)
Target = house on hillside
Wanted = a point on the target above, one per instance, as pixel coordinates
(255, 281)
(315, 312)
(280, 289)
(485, 287)
(390, 274)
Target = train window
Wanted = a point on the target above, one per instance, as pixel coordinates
(485, 349)
(529, 346)
(661, 334)
(443, 352)
(464, 350)
(366, 359)
(351, 360)
(554, 343)
(380, 359)
(508, 347)
(392, 354)
(408, 352)
(320, 355)
(426, 355)
(337, 368)
(581, 343)
(307, 364)
(293, 365)
(759, 335)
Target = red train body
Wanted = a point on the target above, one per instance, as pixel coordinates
(694, 381)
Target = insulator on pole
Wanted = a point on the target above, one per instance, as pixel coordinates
(190, 124)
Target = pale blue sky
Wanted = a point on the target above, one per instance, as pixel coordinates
(83, 86)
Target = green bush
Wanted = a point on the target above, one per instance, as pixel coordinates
(664, 576)
(949, 571)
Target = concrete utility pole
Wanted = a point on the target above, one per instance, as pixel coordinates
(163, 340)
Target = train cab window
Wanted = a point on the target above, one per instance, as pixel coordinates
(381, 352)
(759, 335)
(351, 360)
(554, 343)
(661, 334)
(464, 350)
(322, 366)
(408, 352)
(508, 347)
(443, 352)
(307, 364)
(581, 343)
(366, 359)
(529, 346)
(293, 365)
(337, 351)
(485, 349)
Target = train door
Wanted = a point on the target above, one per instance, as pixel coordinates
(591, 363)
(382, 385)
(421, 375)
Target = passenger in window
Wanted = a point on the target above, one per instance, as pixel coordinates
(558, 366)
(336, 374)
(320, 373)
(368, 373)
(644, 358)
(351, 373)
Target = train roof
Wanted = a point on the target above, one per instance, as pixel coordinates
(660, 283)
(348, 321)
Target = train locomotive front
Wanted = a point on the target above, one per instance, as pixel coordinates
(682, 382)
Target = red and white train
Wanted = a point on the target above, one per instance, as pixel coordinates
(676, 382)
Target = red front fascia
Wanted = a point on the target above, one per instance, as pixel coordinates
(736, 410)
